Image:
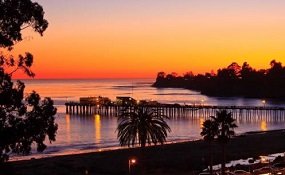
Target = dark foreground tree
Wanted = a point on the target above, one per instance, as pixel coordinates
(209, 132)
(226, 125)
(142, 126)
(23, 120)
(17, 15)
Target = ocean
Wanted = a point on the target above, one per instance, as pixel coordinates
(79, 134)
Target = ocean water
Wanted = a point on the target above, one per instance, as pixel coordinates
(77, 134)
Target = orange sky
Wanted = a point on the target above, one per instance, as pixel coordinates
(126, 39)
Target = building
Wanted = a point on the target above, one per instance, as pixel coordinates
(95, 100)
(125, 101)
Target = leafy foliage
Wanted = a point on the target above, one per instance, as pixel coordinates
(23, 120)
(209, 130)
(142, 126)
(17, 15)
(226, 125)
(20, 127)
(220, 127)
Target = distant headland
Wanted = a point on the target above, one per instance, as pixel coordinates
(234, 80)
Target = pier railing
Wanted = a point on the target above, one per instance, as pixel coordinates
(176, 110)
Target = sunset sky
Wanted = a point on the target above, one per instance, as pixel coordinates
(138, 38)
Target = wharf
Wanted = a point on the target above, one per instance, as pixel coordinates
(176, 110)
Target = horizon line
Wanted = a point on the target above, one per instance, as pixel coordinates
(91, 78)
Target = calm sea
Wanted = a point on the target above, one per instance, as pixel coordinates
(77, 134)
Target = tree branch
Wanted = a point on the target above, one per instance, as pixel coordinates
(11, 73)
(27, 26)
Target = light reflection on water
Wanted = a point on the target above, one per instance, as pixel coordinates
(80, 134)
(97, 125)
(68, 131)
(263, 125)
(100, 131)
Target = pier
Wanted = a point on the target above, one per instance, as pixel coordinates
(176, 110)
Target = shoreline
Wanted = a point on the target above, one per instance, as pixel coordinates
(73, 151)
(182, 158)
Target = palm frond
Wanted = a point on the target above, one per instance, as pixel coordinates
(142, 126)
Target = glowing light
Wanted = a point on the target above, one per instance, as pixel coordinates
(133, 161)
(263, 159)
(68, 131)
(263, 125)
(97, 126)
(263, 102)
(201, 120)
(202, 102)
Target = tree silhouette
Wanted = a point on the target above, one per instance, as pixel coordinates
(226, 125)
(142, 126)
(17, 15)
(209, 132)
(160, 75)
(23, 120)
(233, 80)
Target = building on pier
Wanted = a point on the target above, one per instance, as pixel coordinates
(125, 101)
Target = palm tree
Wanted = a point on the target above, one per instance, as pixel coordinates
(209, 132)
(142, 125)
(226, 125)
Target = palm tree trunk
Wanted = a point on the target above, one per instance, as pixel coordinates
(211, 158)
(143, 143)
(141, 160)
(224, 159)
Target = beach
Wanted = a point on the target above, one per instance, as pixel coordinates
(177, 158)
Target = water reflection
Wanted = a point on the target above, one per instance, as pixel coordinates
(91, 131)
(202, 120)
(68, 131)
(263, 125)
(96, 132)
(97, 126)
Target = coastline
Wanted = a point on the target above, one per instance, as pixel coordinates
(74, 151)
(182, 158)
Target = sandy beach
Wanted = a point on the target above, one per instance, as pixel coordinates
(178, 158)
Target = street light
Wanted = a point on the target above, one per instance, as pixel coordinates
(132, 162)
